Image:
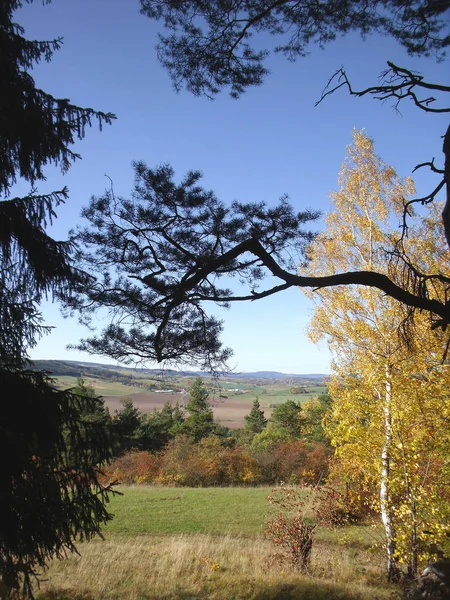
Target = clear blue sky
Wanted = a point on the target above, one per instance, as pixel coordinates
(270, 142)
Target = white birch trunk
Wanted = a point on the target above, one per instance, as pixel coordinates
(386, 513)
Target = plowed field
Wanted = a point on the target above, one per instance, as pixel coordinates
(230, 413)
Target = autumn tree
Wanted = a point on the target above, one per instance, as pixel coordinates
(49, 488)
(389, 372)
(314, 413)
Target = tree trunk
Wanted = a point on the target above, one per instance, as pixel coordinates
(413, 561)
(446, 211)
(385, 508)
(412, 503)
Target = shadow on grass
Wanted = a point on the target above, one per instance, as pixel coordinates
(278, 591)
(304, 590)
(65, 595)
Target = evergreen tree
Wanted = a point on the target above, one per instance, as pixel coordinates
(286, 417)
(161, 426)
(87, 390)
(127, 427)
(35, 129)
(255, 421)
(229, 43)
(200, 422)
(50, 452)
(177, 419)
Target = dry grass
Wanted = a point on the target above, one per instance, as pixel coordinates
(188, 567)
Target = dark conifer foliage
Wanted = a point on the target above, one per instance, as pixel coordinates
(210, 43)
(35, 129)
(49, 492)
(166, 251)
(223, 44)
(255, 421)
(200, 422)
(50, 447)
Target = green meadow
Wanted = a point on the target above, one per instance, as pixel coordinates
(103, 387)
(209, 543)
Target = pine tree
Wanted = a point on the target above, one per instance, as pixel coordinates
(177, 418)
(159, 427)
(50, 452)
(87, 390)
(200, 422)
(286, 417)
(220, 50)
(255, 421)
(127, 426)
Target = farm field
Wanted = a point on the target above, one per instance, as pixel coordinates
(189, 544)
(231, 401)
(102, 387)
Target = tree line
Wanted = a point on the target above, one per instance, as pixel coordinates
(185, 446)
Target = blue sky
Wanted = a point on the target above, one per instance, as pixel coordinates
(271, 141)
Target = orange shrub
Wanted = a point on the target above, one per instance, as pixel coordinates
(184, 463)
(300, 462)
(133, 467)
(206, 463)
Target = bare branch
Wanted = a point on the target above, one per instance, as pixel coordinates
(429, 164)
(396, 82)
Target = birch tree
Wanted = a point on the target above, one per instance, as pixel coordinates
(389, 392)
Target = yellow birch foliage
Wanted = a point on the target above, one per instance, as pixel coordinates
(391, 398)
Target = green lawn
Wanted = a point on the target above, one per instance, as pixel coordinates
(237, 511)
(215, 511)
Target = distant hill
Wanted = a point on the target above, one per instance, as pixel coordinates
(78, 368)
(277, 375)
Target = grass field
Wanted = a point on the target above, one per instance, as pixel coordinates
(217, 511)
(101, 386)
(188, 544)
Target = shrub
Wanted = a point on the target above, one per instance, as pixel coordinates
(288, 531)
(133, 467)
(300, 462)
(335, 508)
(209, 462)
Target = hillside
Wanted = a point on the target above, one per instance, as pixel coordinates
(78, 368)
(231, 396)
